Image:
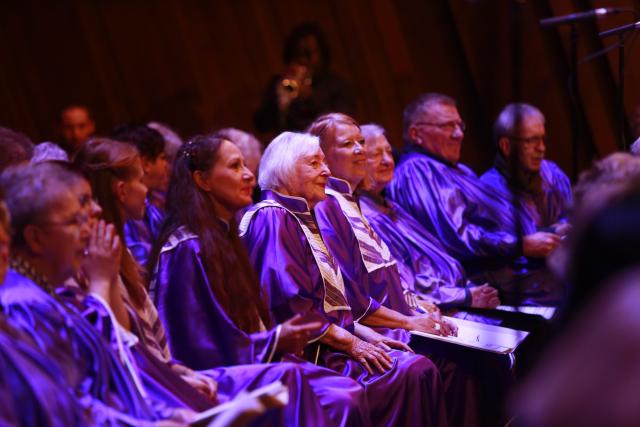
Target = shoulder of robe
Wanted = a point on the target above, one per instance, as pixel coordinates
(18, 289)
(179, 237)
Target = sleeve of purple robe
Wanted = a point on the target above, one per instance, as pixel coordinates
(200, 333)
(424, 266)
(560, 193)
(451, 203)
(281, 256)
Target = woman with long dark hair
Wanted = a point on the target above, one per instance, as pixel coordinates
(209, 298)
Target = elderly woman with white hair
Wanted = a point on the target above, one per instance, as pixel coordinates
(299, 276)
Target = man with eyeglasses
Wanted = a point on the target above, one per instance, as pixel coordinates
(542, 189)
(473, 221)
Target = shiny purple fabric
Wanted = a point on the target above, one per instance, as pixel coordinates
(202, 336)
(80, 352)
(537, 212)
(31, 391)
(407, 394)
(453, 205)
(382, 285)
(423, 263)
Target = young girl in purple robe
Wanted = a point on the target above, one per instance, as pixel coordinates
(209, 299)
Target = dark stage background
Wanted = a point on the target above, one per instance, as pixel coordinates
(200, 65)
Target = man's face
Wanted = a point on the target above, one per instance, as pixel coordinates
(440, 131)
(76, 127)
(531, 144)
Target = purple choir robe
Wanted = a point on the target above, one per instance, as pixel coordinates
(31, 391)
(165, 389)
(381, 283)
(80, 352)
(354, 244)
(424, 265)
(453, 205)
(475, 224)
(537, 212)
(409, 393)
(202, 336)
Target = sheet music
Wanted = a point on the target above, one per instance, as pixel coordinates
(496, 339)
(275, 390)
(546, 312)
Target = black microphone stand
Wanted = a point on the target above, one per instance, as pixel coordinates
(621, 32)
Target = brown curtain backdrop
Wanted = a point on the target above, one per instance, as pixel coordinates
(200, 65)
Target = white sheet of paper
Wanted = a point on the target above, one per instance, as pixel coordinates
(546, 312)
(276, 390)
(495, 339)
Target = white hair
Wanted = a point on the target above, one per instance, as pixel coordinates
(279, 159)
(371, 130)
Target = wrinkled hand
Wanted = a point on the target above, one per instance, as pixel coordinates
(101, 264)
(369, 355)
(379, 340)
(484, 296)
(430, 308)
(295, 334)
(203, 383)
(431, 324)
(540, 244)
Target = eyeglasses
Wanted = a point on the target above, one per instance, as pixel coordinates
(531, 141)
(446, 126)
(79, 220)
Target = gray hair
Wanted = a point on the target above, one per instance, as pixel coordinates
(418, 107)
(279, 159)
(172, 141)
(48, 151)
(31, 191)
(371, 130)
(511, 117)
(247, 143)
(635, 147)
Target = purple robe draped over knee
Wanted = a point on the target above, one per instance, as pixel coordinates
(31, 391)
(409, 393)
(380, 283)
(80, 352)
(423, 264)
(537, 212)
(202, 336)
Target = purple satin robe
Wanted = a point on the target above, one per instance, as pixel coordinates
(202, 336)
(475, 223)
(424, 265)
(31, 393)
(538, 212)
(382, 285)
(165, 389)
(453, 205)
(80, 352)
(409, 393)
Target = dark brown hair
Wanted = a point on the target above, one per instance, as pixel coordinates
(230, 274)
(106, 161)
